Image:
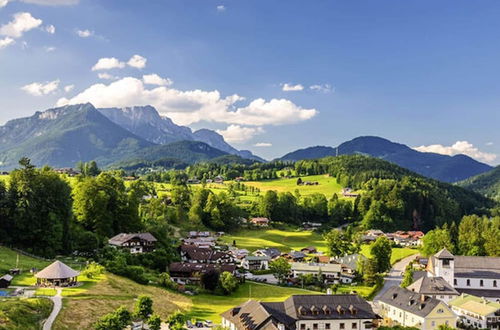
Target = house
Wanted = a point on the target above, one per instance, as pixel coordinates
(67, 170)
(374, 232)
(311, 225)
(435, 287)
(476, 312)
(5, 281)
(255, 263)
(190, 273)
(347, 192)
(295, 256)
(198, 234)
(303, 312)
(219, 179)
(406, 238)
(203, 255)
(260, 222)
(403, 307)
(272, 253)
(134, 242)
(322, 259)
(57, 274)
(477, 276)
(332, 273)
(207, 242)
(309, 250)
(349, 262)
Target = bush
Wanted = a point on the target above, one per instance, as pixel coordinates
(93, 270)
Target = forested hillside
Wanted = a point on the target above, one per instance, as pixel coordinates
(487, 183)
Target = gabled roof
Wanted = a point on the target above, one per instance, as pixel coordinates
(7, 277)
(432, 286)
(57, 270)
(444, 254)
(409, 301)
(203, 254)
(121, 238)
(313, 267)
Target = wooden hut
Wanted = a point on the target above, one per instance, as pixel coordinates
(57, 274)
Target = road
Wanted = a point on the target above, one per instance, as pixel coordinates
(394, 276)
(57, 300)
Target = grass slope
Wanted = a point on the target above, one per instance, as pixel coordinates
(327, 185)
(284, 240)
(82, 308)
(209, 307)
(397, 253)
(23, 314)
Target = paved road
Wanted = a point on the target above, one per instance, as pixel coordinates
(394, 276)
(57, 300)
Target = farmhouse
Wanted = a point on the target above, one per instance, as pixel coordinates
(409, 309)
(332, 273)
(347, 192)
(478, 276)
(57, 274)
(5, 281)
(476, 312)
(294, 256)
(190, 273)
(435, 287)
(194, 254)
(206, 242)
(303, 312)
(261, 222)
(135, 242)
(349, 262)
(255, 263)
(272, 253)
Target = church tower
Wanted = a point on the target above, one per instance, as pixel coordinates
(445, 266)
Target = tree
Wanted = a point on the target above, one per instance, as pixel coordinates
(210, 280)
(143, 307)
(280, 268)
(369, 268)
(269, 205)
(116, 320)
(337, 243)
(491, 236)
(176, 321)
(435, 240)
(228, 282)
(381, 251)
(408, 276)
(470, 236)
(154, 322)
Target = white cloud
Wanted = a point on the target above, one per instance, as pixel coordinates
(239, 134)
(52, 2)
(154, 79)
(50, 29)
(489, 143)
(137, 61)
(221, 8)
(3, 3)
(5, 42)
(49, 49)
(107, 63)
(459, 147)
(325, 88)
(21, 23)
(39, 89)
(107, 76)
(84, 33)
(187, 107)
(263, 144)
(292, 88)
(69, 88)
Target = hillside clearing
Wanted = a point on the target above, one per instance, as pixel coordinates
(397, 253)
(25, 314)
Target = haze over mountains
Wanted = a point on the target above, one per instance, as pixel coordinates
(437, 166)
(63, 136)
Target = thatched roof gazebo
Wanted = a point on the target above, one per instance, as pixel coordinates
(57, 274)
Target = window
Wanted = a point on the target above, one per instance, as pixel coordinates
(302, 326)
(495, 283)
(327, 326)
(341, 326)
(440, 311)
(354, 325)
(433, 323)
(481, 283)
(455, 281)
(315, 326)
(446, 263)
(468, 282)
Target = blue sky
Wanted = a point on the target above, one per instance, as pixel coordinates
(271, 76)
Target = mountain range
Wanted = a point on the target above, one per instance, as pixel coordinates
(440, 167)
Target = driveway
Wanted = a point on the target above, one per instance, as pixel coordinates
(394, 276)
(57, 300)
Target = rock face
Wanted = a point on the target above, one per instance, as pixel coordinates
(436, 166)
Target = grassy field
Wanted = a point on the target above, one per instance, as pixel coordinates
(327, 185)
(82, 308)
(208, 307)
(397, 253)
(284, 240)
(25, 314)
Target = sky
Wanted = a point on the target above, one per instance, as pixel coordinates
(270, 76)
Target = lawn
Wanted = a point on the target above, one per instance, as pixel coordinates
(327, 185)
(23, 313)
(254, 239)
(397, 253)
(83, 306)
(209, 307)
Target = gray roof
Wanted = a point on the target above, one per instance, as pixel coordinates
(481, 292)
(350, 260)
(7, 277)
(409, 301)
(57, 270)
(444, 254)
(432, 286)
(124, 237)
(314, 267)
(257, 258)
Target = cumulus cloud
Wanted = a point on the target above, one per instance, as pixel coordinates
(39, 89)
(50, 29)
(239, 134)
(106, 76)
(137, 61)
(187, 107)
(154, 79)
(459, 147)
(107, 63)
(325, 88)
(291, 88)
(22, 22)
(263, 144)
(84, 33)
(489, 143)
(49, 49)
(3, 3)
(5, 42)
(221, 8)
(52, 2)
(69, 88)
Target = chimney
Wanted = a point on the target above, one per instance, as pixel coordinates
(422, 298)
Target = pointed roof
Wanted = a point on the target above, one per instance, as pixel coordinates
(57, 270)
(444, 254)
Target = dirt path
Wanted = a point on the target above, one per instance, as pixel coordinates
(57, 300)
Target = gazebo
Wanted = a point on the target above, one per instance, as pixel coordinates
(57, 274)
